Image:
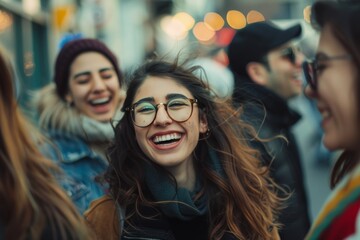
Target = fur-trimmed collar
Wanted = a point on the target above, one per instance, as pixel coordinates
(55, 114)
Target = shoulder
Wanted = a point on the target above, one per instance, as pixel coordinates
(341, 213)
(70, 147)
(101, 205)
(342, 226)
(61, 137)
(102, 217)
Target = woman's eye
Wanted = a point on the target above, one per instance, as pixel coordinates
(107, 74)
(177, 103)
(144, 108)
(82, 80)
(319, 68)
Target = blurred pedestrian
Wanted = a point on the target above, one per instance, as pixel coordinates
(267, 69)
(76, 112)
(219, 77)
(33, 205)
(181, 167)
(333, 81)
(214, 70)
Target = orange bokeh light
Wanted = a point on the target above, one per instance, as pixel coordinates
(236, 19)
(202, 32)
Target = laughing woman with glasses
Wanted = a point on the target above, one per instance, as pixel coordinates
(334, 81)
(180, 167)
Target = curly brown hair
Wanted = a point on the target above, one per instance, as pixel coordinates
(244, 202)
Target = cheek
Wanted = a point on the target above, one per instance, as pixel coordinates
(113, 84)
(78, 92)
(140, 137)
(193, 129)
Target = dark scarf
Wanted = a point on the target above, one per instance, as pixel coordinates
(179, 203)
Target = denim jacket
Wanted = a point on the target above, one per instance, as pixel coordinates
(80, 165)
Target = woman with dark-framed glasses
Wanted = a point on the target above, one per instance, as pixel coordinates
(180, 167)
(334, 82)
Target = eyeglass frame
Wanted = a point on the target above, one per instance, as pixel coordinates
(312, 81)
(156, 106)
(291, 57)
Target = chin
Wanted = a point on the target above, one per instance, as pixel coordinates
(332, 146)
(102, 118)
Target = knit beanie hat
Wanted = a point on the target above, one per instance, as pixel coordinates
(68, 54)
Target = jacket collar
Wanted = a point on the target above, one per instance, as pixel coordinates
(277, 110)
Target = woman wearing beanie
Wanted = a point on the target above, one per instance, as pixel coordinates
(77, 111)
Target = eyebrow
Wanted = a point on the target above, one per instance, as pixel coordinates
(175, 95)
(168, 97)
(106, 69)
(321, 56)
(86, 73)
(147, 99)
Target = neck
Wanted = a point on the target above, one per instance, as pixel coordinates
(185, 175)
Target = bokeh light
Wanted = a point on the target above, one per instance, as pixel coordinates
(307, 14)
(236, 19)
(202, 32)
(186, 19)
(6, 20)
(214, 21)
(173, 28)
(254, 16)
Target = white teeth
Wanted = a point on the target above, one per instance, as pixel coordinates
(100, 100)
(167, 137)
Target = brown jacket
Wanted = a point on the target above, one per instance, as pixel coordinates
(103, 218)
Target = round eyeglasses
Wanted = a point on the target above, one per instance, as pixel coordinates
(143, 113)
(312, 68)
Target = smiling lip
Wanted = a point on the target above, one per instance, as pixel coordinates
(101, 105)
(166, 140)
(325, 115)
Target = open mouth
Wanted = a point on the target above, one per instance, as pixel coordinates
(100, 101)
(166, 139)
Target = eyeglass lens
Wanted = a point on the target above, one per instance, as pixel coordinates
(290, 54)
(310, 74)
(178, 109)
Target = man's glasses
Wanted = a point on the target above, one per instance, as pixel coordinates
(143, 113)
(311, 68)
(290, 54)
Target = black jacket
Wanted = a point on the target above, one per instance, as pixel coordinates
(271, 116)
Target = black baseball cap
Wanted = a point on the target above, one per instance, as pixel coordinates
(254, 41)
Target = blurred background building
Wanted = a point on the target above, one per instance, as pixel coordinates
(31, 30)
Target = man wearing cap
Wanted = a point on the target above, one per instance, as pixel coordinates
(267, 70)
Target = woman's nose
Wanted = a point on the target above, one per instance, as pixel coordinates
(162, 117)
(99, 84)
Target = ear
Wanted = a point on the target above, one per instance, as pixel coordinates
(203, 123)
(257, 72)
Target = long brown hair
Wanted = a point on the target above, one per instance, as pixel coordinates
(32, 202)
(243, 202)
(342, 16)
